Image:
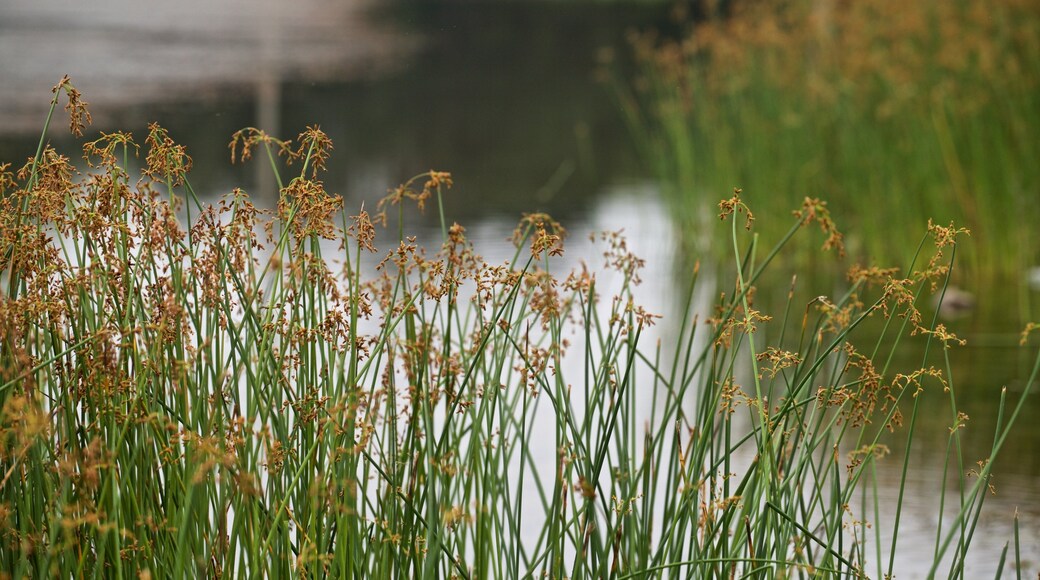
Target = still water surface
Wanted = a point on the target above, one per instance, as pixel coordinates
(505, 97)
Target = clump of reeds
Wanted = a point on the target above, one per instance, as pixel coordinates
(232, 392)
(894, 119)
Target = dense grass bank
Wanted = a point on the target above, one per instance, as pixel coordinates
(895, 112)
(197, 390)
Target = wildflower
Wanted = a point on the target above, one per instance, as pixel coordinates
(314, 149)
(734, 204)
(814, 210)
(435, 180)
(619, 257)
(945, 336)
(79, 116)
(307, 209)
(250, 137)
(362, 230)
(101, 151)
(548, 234)
(166, 161)
(780, 359)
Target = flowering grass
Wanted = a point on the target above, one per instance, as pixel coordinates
(894, 120)
(196, 390)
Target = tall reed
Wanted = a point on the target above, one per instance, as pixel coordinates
(264, 394)
(895, 112)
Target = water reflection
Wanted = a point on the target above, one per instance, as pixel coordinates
(132, 55)
(501, 95)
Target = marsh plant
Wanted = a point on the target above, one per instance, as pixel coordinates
(193, 390)
(896, 112)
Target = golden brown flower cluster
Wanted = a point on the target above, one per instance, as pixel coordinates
(951, 51)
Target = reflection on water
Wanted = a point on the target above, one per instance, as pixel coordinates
(504, 96)
(123, 53)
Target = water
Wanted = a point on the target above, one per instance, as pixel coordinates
(505, 96)
(481, 91)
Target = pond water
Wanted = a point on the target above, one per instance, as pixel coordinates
(506, 97)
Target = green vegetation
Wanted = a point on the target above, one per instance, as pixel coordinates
(895, 112)
(263, 394)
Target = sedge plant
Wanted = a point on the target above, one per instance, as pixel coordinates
(895, 119)
(216, 390)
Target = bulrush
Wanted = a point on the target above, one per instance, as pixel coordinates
(265, 393)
